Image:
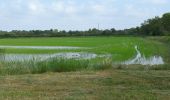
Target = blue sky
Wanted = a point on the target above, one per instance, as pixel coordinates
(78, 14)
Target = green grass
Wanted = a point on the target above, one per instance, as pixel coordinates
(110, 84)
(95, 79)
(52, 65)
(121, 48)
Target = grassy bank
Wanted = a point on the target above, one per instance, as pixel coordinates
(165, 40)
(108, 84)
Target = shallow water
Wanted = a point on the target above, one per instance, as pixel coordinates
(42, 57)
(40, 47)
(139, 59)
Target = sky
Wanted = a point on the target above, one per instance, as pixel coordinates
(78, 14)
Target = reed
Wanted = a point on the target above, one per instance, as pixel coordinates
(52, 65)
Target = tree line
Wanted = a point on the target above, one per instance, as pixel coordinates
(154, 27)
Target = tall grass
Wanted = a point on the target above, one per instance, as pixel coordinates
(35, 66)
(2, 52)
(52, 65)
(104, 64)
(62, 65)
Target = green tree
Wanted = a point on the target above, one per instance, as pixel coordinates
(166, 21)
(152, 27)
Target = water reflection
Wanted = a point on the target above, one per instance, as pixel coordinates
(41, 57)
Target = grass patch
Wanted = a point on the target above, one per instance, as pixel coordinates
(160, 67)
(51, 65)
(33, 67)
(92, 85)
(63, 65)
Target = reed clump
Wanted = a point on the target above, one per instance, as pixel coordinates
(51, 65)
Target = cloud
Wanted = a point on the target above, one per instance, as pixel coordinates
(70, 10)
(157, 2)
(58, 6)
(36, 7)
(77, 14)
(64, 8)
(136, 12)
(98, 8)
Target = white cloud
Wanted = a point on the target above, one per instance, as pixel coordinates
(76, 13)
(58, 6)
(130, 10)
(33, 7)
(36, 7)
(157, 2)
(83, 9)
(62, 7)
(98, 8)
(71, 10)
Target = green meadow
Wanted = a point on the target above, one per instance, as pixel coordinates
(121, 48)
(93, 79)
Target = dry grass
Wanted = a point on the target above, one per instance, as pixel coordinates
(88, 85)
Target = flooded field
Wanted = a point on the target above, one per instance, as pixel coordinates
(120, 50)
(141, 59)
(40, 47)
(42, 57)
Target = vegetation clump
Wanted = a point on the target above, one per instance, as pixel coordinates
(51, 65)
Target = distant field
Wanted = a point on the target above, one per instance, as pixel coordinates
(121, 48)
